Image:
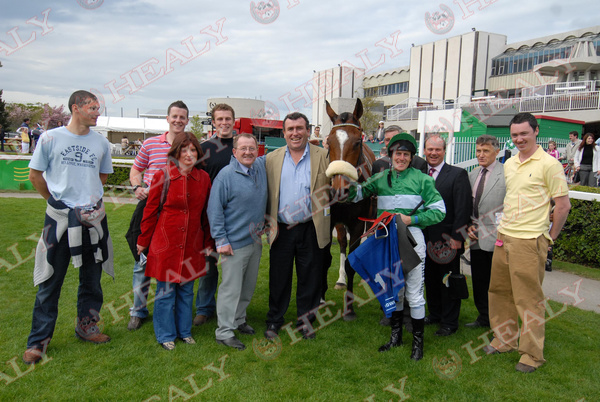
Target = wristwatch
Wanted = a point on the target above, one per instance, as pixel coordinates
(136, 187)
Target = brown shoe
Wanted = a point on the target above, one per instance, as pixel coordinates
(200, 319)
(524, 368)
(91, 334)
(32, 356)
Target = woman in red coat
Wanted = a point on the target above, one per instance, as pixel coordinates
(178, 238)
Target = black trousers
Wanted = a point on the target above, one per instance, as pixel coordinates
(481, 269)
(294, 244)
(441, 306)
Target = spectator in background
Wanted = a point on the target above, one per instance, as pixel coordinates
(25, 124)
(383, 153)
(25, 141)
(552, 151)
(570, 150)
(176, 231)
(385, 163)
(316, 135)
(124, 145)
(587, 161)
(2, 134)
(380, 133)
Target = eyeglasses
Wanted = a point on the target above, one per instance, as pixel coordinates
(247, 149)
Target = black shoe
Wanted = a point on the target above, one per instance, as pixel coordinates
(444, 331)
(307, 333)
(246, 329)
(232, 342)
(428, 320)
(396, 337)
(475, 324)
(272, 331)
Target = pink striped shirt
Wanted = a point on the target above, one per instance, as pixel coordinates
(152, 157)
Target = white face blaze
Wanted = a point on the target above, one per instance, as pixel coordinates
(342, 137)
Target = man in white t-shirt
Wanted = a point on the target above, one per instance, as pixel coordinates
(76, 162)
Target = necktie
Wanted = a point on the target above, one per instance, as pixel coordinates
(478, 193)
(431, 171)
(252, 174)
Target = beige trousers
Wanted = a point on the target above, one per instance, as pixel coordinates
(516, 293)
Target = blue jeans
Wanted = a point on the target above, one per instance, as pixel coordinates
(89, 295)
(173, 310)
(207, 287)
(141, 285)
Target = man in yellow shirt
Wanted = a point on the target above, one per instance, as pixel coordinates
(532, 178)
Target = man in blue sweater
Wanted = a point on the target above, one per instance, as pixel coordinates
(238, 201)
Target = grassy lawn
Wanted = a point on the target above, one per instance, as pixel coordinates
(341, 364)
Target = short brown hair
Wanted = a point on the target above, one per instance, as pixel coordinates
(183, 140)
(296, 116)
(178, 104)
(78, 98)
(224, 107)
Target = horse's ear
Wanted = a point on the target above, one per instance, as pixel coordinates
(358, 109)
(332, 115)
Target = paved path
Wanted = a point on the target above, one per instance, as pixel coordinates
(558, 286)
(562, 287)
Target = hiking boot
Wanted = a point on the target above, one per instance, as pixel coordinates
(32, 356)
(91, 333)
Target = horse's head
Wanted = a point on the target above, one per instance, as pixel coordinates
(345, 149)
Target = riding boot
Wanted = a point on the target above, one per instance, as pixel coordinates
(418, 335)
(396, 337)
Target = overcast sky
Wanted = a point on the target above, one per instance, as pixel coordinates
(194, 50)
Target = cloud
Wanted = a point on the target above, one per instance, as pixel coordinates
(88, 48)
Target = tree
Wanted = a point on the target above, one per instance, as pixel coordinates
(372, 114)
(17, 112)
(3, 113)
(52, 115)
(197, 128)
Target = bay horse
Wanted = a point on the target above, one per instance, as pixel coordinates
(351, 158)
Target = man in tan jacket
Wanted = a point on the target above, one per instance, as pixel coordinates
(298, 208)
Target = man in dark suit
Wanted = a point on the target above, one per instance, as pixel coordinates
(489, 189)
(385, 163)
(298, 208)
(445, 241)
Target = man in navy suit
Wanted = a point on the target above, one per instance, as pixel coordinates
(445, 241)
(489, 190)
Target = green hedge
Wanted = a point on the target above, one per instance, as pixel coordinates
(120, 177)
(578, 242)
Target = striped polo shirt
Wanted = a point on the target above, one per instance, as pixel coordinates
(152, 157)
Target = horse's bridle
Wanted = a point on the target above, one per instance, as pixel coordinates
(361, 157)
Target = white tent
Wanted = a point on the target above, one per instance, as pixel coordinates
(106, 125)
